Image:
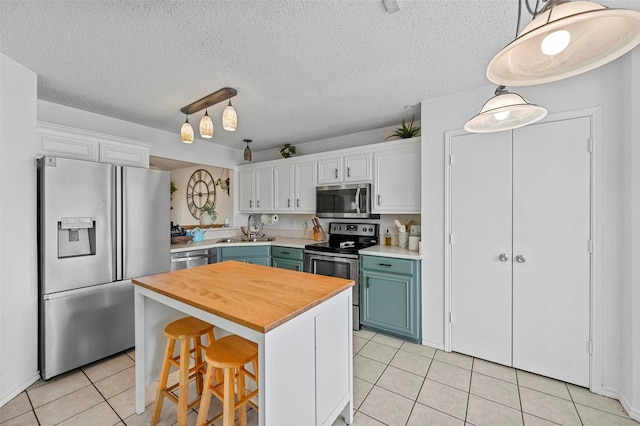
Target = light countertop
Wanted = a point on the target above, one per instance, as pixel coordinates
(391, 251)
(279, 241)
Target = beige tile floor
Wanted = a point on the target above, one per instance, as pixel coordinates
(395, 383)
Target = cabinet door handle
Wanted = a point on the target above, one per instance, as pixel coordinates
(288, 202)
(385, 264)
(378, 199)
(258, 203)
(297, 202)
(503, 257)
(348, 171)
(250, 203)
(336, 173)
(367, 283)
(285, 252)
(520, 258)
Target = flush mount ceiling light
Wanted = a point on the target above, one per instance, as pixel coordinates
(505, 111)
(206, 124)
(564, 39)
(247, 151)
(186, 131)
(229, 118)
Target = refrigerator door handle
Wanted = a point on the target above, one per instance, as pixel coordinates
(118, 225)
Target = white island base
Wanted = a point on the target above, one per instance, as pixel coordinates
(305, 364)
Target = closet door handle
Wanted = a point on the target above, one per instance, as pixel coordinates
(503, 257)
(520, 258)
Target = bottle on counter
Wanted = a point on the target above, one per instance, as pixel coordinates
(387, 238)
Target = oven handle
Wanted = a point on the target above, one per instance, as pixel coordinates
(358, 201)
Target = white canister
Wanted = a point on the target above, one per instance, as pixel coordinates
(414, 240)
(403, 239)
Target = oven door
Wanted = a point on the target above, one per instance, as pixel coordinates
(339, 266)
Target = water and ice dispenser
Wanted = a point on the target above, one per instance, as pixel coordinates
(76, 237)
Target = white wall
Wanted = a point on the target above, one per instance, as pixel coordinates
(18, 257)
(602, 87)
(630, 331)
(180, 213)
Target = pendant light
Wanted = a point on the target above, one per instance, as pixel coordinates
(564, 39)
(247, 151)
(505, 111)
(186, 131)
(206, 126)
(229, 118)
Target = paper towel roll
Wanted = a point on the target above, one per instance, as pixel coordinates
(269, 219)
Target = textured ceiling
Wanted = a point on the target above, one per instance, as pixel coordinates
(304, 69)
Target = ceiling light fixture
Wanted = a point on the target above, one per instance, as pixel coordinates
(247, 151)
(505, 111)
(564, 39)
(229, 118)
(206, 124)
(186, 131)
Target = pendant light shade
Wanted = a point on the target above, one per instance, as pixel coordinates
(186, 132)
(247, 151)
(229, 118)
(565, 39)
(505, 111)
(206, 126)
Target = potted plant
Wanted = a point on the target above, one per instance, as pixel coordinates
(208, 215)
(287, 150)
(404, 131)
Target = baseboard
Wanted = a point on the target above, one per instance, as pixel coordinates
(615, 394)
(433, 345)
(8, 395)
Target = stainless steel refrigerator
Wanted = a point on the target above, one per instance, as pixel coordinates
(99, 226)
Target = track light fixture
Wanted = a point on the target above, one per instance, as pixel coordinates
(229, 119)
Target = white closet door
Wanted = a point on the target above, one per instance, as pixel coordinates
(481, 226)
(551, 230)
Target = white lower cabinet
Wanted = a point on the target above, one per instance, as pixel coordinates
(520, 259)
(396, 178)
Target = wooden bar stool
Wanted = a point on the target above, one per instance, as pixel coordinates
(229, 354)
(185, 331)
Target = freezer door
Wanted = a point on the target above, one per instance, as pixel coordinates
(76, 226)
(82, 326)
(146, 223)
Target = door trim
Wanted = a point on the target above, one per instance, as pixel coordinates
(596, 264)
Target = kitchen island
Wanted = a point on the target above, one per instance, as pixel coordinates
(301, 323)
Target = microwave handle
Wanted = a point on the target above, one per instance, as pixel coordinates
(358, 200)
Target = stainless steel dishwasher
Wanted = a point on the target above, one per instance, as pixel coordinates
(193, 258)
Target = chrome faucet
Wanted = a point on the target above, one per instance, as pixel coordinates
(251, 233)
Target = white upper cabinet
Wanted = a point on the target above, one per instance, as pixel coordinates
(67, 142)
(294, 187)
(396, 178)
(256, 189)
(350, 168)
(330, 171)
(305, 187)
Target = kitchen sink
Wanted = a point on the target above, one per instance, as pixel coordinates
(246, 240)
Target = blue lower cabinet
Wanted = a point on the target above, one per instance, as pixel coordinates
(390, 296)
(287, 258)
(259, 255)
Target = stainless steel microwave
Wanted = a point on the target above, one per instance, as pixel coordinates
(344, 201)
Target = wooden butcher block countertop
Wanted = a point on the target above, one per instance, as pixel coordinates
(258, 297)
